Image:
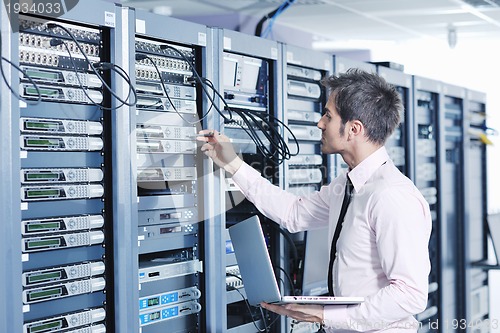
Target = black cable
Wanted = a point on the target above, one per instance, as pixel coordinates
(124, 75)
(289, 239)
(265, 329)
(19, 97)
(104, 66)
(281, 151)
(278, 151)
(231, 198)
(121, 72)
(215, 92)
(275, 319)
(141, 56)
(55, 42)
(210, 84)
(198, 77)
(288, 278)
(260, 24)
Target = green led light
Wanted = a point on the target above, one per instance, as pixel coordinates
(41, 193)
(43, 243)
(34, 227)
(39, 125)
(45, 327)
(44, 293)
(41, 176)
(41, 277)
(42, 75)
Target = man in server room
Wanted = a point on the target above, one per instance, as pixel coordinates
(380, 246)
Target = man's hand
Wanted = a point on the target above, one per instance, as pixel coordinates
(311, 312)
(219, 148)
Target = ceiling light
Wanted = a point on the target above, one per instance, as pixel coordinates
(351, 44)
(163, 10)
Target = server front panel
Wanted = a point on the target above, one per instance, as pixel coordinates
(167, 184)
(64, 176)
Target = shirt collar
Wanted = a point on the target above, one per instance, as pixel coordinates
(364, 170)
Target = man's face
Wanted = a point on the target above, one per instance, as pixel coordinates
(332, 141)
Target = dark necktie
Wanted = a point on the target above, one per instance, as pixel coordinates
(333, 250)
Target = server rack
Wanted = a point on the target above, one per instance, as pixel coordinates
(452, 223)
(303, 101)
(10, 287)
(475, 287)
(400, 144)
(249, 69)
(66, 173)
(62, 134)
(426, 103)
(169, 68)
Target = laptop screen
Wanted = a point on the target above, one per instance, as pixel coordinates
(254, 262)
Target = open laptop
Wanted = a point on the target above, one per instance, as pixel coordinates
(257, 271)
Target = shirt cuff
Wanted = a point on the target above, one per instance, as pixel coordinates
(245, 177)
(335, 317)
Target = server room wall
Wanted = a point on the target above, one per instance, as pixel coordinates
(115, 222)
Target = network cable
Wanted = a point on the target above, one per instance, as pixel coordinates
(103, 66)
(56, 42)
(140, 56)
(230, 288)
(197, 77)
(121, 72)
(285, 5)
(292, 287)
(290, 241)
(271, 15)
(266, 123)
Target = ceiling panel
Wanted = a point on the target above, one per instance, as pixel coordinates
(396, 20)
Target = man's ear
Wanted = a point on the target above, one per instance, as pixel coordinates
(356, 128)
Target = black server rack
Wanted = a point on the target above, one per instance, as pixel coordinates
(65, 171)
(11, 304)
(452, 223)
(68, 87)
(169, 79)
(304, 100)
(249, 71)
(400, 144)
(426, 104)
(476, 291)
